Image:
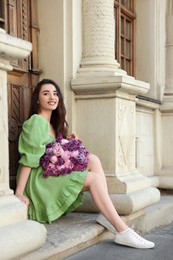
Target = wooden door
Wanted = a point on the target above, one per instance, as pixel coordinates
(19, 19)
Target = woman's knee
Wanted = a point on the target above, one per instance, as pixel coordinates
(93, 158)
(91, 179)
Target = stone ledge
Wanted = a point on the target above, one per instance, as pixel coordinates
(69, 234)
(21, 238)
(76, 231)
(126, 204)
(12, 48)
(156, 215)
(11, 210)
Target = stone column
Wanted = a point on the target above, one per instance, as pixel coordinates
(18, 235)
(169, 50)
(166, 171)
(4, 176)
(98, 38)
(106, 111)
(9, 50)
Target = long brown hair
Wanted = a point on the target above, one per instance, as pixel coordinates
(58, 120)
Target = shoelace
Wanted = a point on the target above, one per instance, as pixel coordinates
(136, 235)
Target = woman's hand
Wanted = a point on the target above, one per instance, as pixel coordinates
(22, 180)
(72, 136)
(23, 198)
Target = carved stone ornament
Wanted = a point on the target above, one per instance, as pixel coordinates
(13, 129)
(98, 28)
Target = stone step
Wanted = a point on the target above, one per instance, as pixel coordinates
(21, 238)
(76, 231)
(11, 210)
(68, 235)
(156, 215)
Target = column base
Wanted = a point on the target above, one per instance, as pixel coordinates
(19, 236)
(12, 210)
(100, 71)
(163, 179)
(127, 183)
(167, 105)
(165, 182)
(125, 204)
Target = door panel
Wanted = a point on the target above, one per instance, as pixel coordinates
(19, 19)
(19, 94)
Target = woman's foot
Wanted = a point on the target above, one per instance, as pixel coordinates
(130, 238)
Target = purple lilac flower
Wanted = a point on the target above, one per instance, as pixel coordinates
(64, 156)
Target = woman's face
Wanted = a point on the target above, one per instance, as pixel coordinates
(48, 98)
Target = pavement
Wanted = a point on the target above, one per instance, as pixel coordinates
(78, 236)
(109, 250)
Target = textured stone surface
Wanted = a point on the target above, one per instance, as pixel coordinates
(66, 233)
(76, 231)
(11, 210)
(21, 238)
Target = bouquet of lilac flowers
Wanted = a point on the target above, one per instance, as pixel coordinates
(64, 156)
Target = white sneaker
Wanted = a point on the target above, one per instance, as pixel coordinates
(130, 238)
(105, 223)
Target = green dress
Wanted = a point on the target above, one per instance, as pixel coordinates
(53, 196)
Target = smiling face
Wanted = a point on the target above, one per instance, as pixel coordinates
(48, 98)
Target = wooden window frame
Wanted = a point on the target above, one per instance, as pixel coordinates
(124, 37)
(19, 19)
(3, 14)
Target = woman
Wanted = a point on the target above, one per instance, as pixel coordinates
(49, 198)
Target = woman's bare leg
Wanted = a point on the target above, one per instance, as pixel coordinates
(94, 165)
(95, 183)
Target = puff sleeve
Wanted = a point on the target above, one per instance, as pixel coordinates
(33, 140)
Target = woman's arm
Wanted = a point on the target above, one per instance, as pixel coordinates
(22, 180)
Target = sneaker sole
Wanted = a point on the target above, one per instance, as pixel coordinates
(133, 246)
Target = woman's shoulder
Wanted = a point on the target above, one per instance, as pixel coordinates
(36, 120)
(37, 127)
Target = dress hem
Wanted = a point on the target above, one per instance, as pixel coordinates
(71, 198)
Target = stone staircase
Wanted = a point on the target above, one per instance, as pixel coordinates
(76, 231)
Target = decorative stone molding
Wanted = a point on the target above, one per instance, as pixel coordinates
(125, 136)
(12, 48)
(117, 84)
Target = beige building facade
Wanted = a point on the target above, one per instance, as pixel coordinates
(125, 120)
